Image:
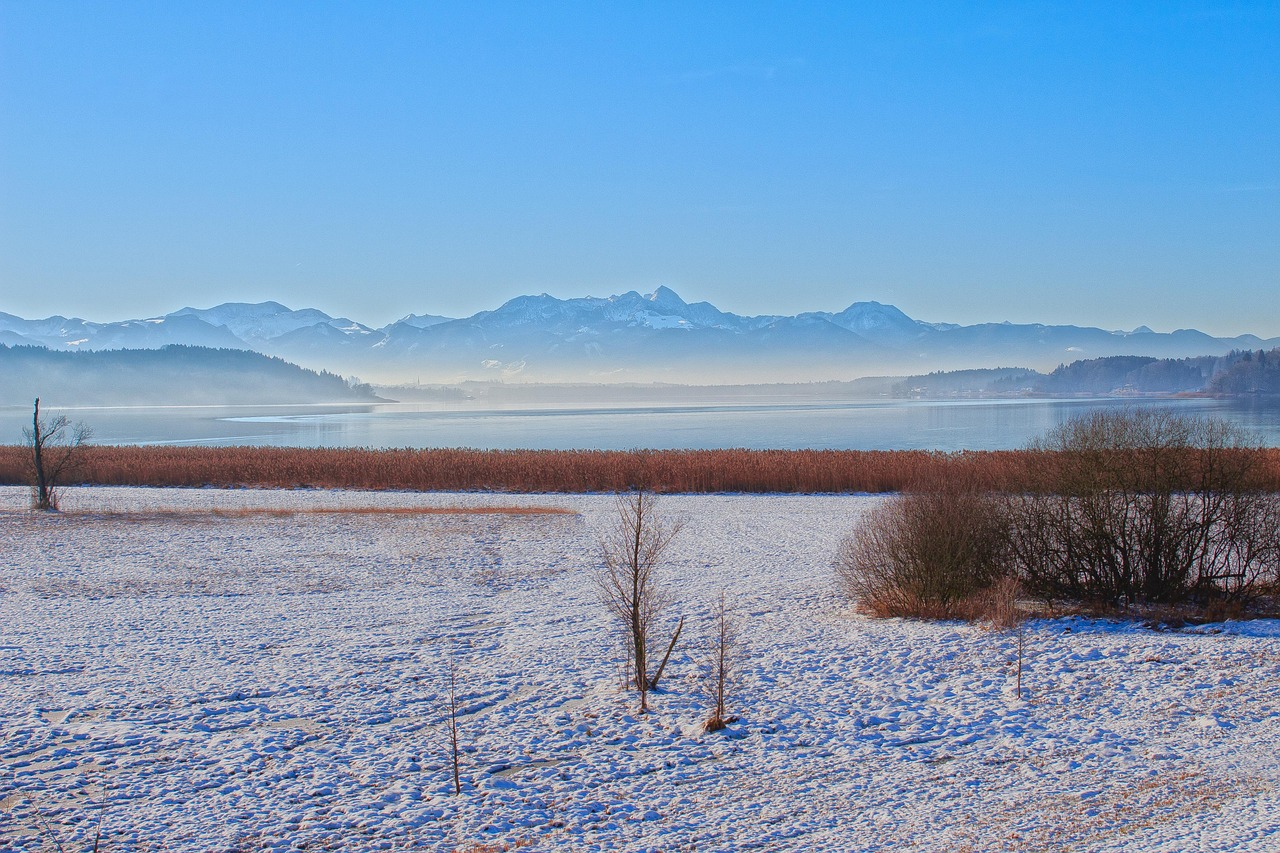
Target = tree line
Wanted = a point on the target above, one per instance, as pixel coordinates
(172, 375)
(1239, 372)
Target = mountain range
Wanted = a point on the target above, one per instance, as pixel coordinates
(631, 337)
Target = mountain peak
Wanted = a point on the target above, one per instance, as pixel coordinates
(423, 321)
(665, 297)
(239, 308)
(868, 316)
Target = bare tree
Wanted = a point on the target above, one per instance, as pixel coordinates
(720, 666)
(444, 733)
(631, 586)
(55, 452)
(455, 762)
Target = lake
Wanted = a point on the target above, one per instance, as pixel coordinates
(863, 425)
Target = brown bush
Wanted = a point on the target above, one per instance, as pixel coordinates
(935, 552)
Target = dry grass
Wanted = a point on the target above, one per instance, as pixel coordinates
(692, 471)
(494, 846)
(1068, 822)
(270, 512)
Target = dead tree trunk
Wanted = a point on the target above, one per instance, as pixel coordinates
(55, 452)
(43, 500)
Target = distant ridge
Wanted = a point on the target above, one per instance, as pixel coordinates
(1238, 373)
(631, 336)
(172, 375)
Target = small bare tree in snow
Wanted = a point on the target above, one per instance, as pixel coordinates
(720, 666)
(55, 451)
(454, 754)
(445, 733)
(631, 585)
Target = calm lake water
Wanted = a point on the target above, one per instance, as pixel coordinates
(873, 425)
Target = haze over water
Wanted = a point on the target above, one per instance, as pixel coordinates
(868, 425)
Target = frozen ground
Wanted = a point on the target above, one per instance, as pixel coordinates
(248, 681)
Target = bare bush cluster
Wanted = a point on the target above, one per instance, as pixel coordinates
(1139, 506)
(1149, 508)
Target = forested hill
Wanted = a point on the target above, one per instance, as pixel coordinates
(1237, 373)
(172, 375)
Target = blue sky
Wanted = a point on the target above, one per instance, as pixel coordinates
(1105, 164)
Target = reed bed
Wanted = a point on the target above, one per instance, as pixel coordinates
(567, 471)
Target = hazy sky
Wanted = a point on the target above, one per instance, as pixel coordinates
(1106, 164)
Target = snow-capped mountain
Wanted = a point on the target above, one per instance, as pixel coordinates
(662, 309)
(264, 321)
(626, 337)
(876, 322)
(72, 333)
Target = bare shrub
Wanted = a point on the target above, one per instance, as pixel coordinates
(720, 669)
(932, 553)
(631, 584)
(1148, 507)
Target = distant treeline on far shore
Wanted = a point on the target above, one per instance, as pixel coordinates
(173, 375)
(1241, 372)
(567, 471)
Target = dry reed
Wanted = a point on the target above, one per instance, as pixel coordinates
(569, 471)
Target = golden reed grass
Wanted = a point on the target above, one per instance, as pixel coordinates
(568, 471)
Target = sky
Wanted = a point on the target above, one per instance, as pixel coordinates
(1105, 164)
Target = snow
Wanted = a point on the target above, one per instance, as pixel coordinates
(661, 321)
(233, 676)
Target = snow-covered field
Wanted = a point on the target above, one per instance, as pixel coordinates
(246, 681)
